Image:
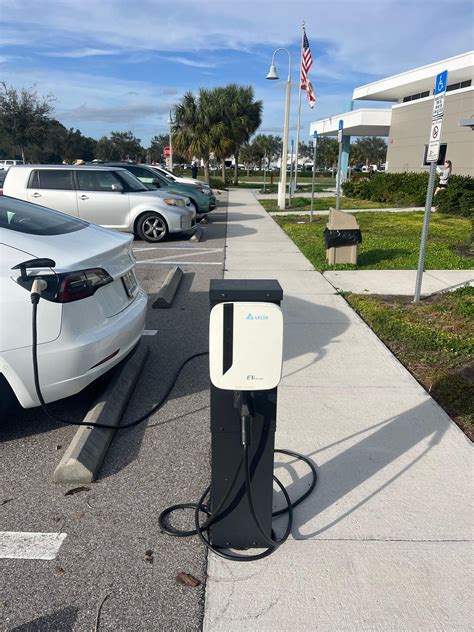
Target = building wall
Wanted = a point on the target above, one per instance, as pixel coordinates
(410, 130)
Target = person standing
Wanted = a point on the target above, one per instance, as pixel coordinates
(444, 174)
(194, 170)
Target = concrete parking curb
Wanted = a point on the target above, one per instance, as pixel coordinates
(164, 298)
(83, 458)
(198, 233)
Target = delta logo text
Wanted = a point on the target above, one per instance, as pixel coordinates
(256, 317)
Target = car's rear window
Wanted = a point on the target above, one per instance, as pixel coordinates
(24, 217)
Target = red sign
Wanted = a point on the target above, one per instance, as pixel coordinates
(167, 152)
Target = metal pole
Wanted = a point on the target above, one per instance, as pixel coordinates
(171, 145)
(282, 192)
(291, 173)
(315, 143)
(424, 232)
(299, 109)
(338, 176)
(264, 170)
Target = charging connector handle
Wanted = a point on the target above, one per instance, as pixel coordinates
(39, 285)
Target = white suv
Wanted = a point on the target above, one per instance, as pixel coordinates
(108, 196)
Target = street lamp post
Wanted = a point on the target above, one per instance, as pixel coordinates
(170, 123)
(272, 76)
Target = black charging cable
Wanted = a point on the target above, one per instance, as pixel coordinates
(198, 507)
(35, 299)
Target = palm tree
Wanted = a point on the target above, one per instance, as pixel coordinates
(241, 116)
(218, 121)
(191, 128)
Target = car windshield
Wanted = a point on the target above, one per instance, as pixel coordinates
(133, 183)
(167, 174)
(24, 217)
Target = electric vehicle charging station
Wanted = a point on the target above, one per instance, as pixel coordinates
(245, 359)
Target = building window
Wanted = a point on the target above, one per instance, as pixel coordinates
(459, 85)
(414, 97)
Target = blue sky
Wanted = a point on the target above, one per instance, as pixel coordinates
(119, 65)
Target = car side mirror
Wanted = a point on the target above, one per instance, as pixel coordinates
(117, 187)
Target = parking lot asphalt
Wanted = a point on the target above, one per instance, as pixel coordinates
(113, 548)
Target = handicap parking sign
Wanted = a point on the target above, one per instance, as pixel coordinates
(440, 83)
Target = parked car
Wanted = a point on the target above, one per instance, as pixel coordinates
(202, 197)
(108, 196)
(6, 164)
(174, 178)
(91, 315)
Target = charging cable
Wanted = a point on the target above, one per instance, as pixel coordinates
(39, 285)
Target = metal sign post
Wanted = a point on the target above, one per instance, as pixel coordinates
(264, 170)
(432, 157)
(291, 174)
(338, 175)
(315, 143)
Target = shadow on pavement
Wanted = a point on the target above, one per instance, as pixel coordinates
(63, 620)
(389, 440)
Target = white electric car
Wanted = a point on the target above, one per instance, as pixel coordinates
(90, 316)
(180, 179)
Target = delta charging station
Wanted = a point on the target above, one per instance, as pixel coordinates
(245, 361)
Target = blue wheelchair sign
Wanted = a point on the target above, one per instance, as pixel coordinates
(315, 135)
(441, 82)
(341, 124)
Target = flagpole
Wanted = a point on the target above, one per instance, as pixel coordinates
(299, 109)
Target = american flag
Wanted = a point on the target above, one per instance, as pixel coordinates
(306, 61)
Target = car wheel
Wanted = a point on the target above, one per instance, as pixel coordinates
(151, 227)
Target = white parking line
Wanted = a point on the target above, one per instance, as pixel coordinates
(176, 248)
(149, 332)
(25, 545)
(159, 262)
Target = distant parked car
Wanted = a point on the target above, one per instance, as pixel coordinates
(6, 164)
(108, 196)
(201, 196)
(92, 313)
(174, 178)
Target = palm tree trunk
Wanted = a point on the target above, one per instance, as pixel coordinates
(236, 168)
(206, 170)
(23, 155)
(223, 171)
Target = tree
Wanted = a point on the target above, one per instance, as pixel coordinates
(120, 146)
(327, 152)
(191, 128)
(369, 150)
(157, 145)
(24, 117)
(244, 116)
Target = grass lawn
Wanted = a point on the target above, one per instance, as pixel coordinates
(434, 339)
(330, 182)
(322, 204)
(273, 188)
(390, 241)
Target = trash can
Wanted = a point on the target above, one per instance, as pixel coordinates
(342, 236)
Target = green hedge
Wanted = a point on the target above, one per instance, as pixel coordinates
(409, 189)
(458, 198)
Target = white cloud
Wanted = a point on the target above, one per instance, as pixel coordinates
(188, 62)
(84, 52)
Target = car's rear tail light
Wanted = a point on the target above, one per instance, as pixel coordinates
(74, 286)
(1, 191)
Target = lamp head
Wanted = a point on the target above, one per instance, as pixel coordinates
(272, 73)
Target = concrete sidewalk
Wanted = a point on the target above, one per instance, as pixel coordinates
(398, 282)
(383, 542)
